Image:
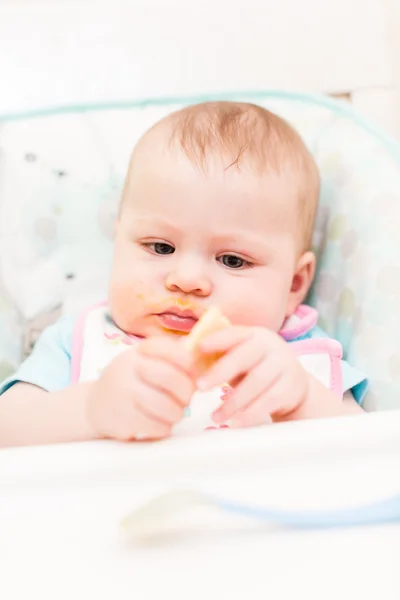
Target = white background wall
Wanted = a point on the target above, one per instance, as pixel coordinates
(72, 51)
(393, 14)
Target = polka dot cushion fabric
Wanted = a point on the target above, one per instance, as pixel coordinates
(61, 174)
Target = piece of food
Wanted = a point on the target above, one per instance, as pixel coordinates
(213, 320)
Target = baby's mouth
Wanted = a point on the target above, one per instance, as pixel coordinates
(178, 320)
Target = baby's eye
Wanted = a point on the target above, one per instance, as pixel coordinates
(160, 247)
(233, 262)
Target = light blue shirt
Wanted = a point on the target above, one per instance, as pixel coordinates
(49, 365)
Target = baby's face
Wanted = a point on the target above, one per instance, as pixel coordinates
(186, 241)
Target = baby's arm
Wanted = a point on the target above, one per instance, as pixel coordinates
(38, 404)
(141, 394)
(29, 415)
(322, 402)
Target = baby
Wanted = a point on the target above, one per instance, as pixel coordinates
(218, 210)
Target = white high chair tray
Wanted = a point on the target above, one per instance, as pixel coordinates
(60, 508)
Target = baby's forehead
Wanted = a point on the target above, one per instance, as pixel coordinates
(168, 144)
(179, 192)
(160, 167)
(221, 142)
(160, 157)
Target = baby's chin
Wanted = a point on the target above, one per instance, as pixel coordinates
(128, 323)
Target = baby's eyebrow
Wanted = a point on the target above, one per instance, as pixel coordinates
(241, 237)
(155, 221)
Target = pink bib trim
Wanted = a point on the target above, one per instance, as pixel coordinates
(303, 320)
(335, 352)
(78, 340)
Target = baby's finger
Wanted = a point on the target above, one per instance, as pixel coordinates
(225, 339)
(233, 404)
(146, 428)
(285, 395)
(233, 364)
(254, 415)
(167, 378)
(259, 379)
(281, 397)
(169, 350)
(134, 424)
(158, 406)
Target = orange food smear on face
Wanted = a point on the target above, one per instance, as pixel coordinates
(176, 332)
(178, 302)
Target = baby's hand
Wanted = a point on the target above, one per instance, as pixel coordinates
(143, 392)
(266, 377)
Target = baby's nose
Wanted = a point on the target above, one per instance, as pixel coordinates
(189, 279)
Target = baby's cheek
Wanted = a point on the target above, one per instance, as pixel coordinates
(126, 303)
(259, 310)
(269, 311)
(235, 305)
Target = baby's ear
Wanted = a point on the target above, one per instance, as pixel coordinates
(301, 282)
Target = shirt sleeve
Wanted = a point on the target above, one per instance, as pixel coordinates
(49, 364)
(354, 381)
